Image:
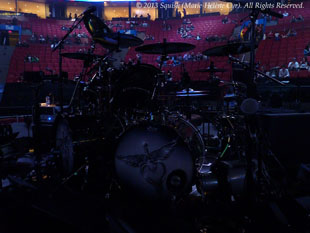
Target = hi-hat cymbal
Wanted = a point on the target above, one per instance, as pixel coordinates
(190, 93)
(230, 96)
(229, 49)
(165, 48)
(211, 70)
(117, 40)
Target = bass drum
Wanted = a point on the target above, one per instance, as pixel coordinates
(134, 88)
(156, 161)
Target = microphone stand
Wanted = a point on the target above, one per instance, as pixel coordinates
(251, 121)
(59, 46)
(252, 92)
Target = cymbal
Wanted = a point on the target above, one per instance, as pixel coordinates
(232, 83)
(165, 48)
(118, 40)
(95, 25)
(225, 50)
(230, 96)
(211, 70)
(103, 35)
(81, 56)
(190, 93)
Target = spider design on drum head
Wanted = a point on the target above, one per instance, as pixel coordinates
(151, 167)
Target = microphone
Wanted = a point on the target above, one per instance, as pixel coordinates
(89, 10)
(249, 106)
(272, 13)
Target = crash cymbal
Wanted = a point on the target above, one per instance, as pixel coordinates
(229, 49)
(165, 48)
(82, 56)
(117, 40)
(211, 70)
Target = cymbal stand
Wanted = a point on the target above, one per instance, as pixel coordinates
(186, 80)
(78, 82)
(59, 46)
(212, 74)
(158, 77)
(36, 130)
(109, 73)
(164, 54)
(83, 74)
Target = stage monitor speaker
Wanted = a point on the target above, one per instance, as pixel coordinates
(288, 134)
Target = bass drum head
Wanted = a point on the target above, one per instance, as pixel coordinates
(154, 163)
(135, 86)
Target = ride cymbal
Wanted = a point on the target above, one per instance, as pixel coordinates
(229, 49)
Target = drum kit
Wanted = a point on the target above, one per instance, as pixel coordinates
(165, 132)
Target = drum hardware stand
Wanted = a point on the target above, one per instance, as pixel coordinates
(65, 180)
(164, 54)
(59, 46)
(110, 70)
(36, 138)
(212, 73)
(213, 80)
(186, 80)
(83, 74)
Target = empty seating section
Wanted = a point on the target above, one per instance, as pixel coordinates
(47, 59)
(272, 53)
(204, 26)
(51, 27)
